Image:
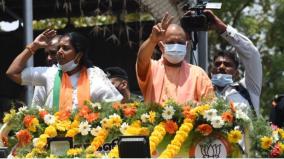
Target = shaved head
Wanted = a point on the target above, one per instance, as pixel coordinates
(175, 32)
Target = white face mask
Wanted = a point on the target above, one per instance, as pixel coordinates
(175, 53)
(222, 80)
(69, 66)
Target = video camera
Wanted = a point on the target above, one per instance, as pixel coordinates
(198, 21)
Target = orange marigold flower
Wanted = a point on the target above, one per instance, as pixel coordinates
(92, 117)
(42, 114)
(186, 108)
(204, 129)
(232, 106)
(116, 105)
(129, 111)
(63, 115)
(228, 117)
(171, 126)
(84, 110)
(28, 120)
(24, 137)
(189, 115)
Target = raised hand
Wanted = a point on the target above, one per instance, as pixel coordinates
(158, 30)
(42, 40)
(215, 22)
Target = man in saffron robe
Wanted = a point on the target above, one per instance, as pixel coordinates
(171, 77)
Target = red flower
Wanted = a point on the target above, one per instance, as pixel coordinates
(171, 126)
(63, 115)
(189, 115)
(28, 120)
(116, 105)
(129, 111)
(84, 110)
(24, 137)
(275, 151)
(42, 114)
(92, 117)
(204, 129)
(228, 117)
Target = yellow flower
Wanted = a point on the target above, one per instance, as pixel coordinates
(132, 131)
(136, 123)
(234, 136)
(98, 140)
(40, 144)
(38, 151)
(157, 136)
(106, 123)
(63, 125)
(33, 125)
(201, 109)
(281, 146)
(114, 153)
(42, 141)
(281, 132)
(185, 127)
(116, 121)
(144, 131)
(154, 139)
(75, 124)
(50, 131)
(182, 134)
(74, 152)
(152, 116)
(72, 132)
(266, 142)
(176, 142)
(30, 155)
(9, 116)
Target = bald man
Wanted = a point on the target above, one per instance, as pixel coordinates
(170, 77)
(40, 93)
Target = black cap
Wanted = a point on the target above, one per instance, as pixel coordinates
(113, 72)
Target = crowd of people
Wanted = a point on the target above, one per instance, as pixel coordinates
(70, 78)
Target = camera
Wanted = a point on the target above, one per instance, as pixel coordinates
(198, 21)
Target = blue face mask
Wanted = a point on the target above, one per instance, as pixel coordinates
(69, 66)
(222, 80)
(175, 53)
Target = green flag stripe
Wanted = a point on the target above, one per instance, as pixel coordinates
(56, 90)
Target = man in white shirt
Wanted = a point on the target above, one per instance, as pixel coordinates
(245, 92)
(40, 94)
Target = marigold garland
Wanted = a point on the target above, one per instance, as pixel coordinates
(98, 140)
(174, 147)
(157, 136)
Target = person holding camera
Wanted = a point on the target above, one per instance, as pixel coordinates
(170, 77)
(245, 92)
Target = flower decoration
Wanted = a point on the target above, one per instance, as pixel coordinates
(94, 124)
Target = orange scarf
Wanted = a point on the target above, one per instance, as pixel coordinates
(83, 91)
